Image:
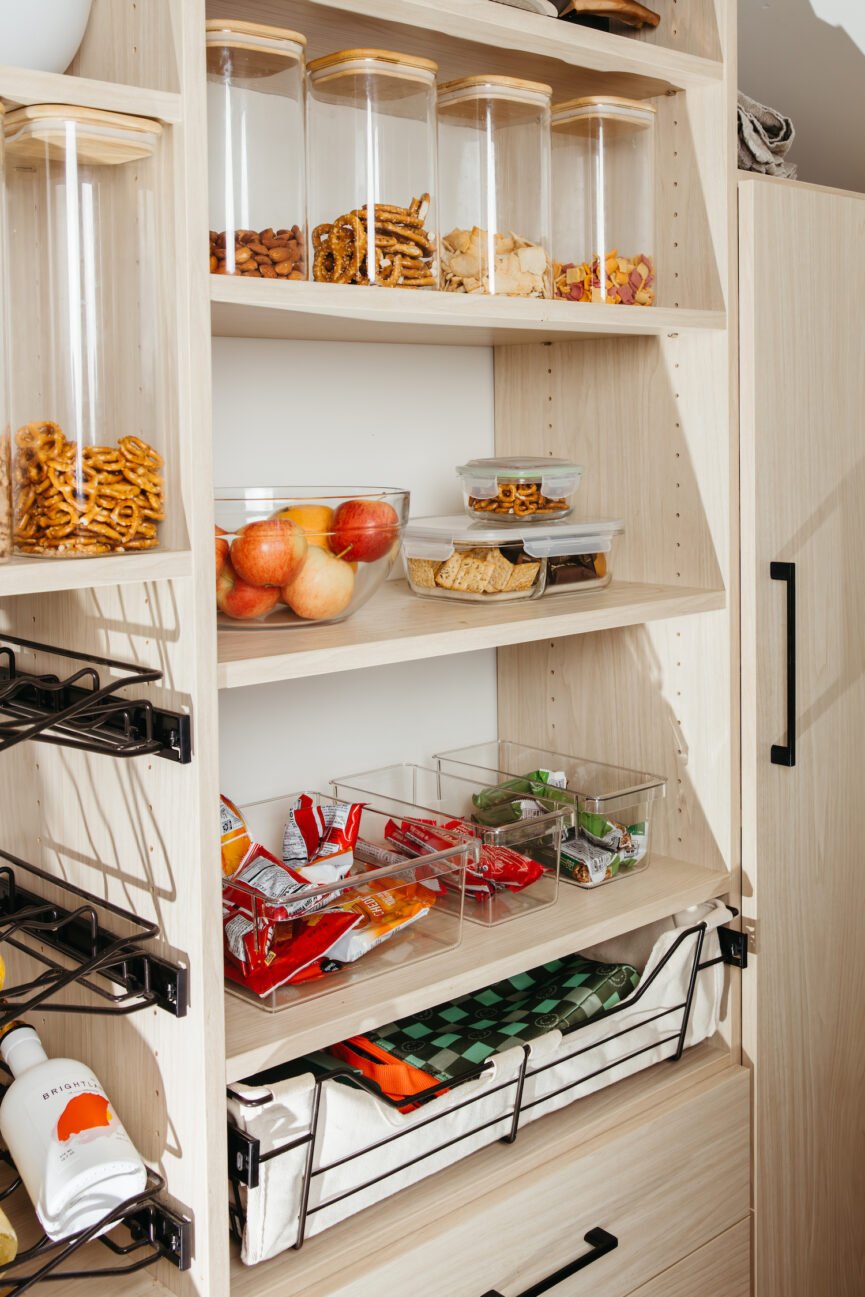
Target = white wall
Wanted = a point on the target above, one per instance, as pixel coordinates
(305, 412)
(807, 58)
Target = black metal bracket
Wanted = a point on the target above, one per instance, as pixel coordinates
(77, 931)
(167, 1230)
(244, 1157)
(734, 947)
(81, 711)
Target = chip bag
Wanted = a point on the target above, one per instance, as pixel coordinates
(319, 840)
(236, 841)
(263, 888)
(294, 952)
(499, 868)
(382, 911)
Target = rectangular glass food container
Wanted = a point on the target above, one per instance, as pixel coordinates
(610, 838)
(421, 793)
(450, 558)
(436, 933)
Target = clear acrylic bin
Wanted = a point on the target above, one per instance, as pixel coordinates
(418, 793)
(441, 874)
(610, 838)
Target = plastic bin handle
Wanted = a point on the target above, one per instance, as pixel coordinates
(600, 1243)
(785, 754)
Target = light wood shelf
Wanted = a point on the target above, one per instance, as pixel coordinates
(466, 36)
(44, 575)
(397, 626)
(579, 919)
(353, 313)
(327, 1262)
(24, 86)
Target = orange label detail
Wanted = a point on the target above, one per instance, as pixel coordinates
(86, 1111)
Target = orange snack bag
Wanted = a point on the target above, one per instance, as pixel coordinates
(236, 841)
(382, 912)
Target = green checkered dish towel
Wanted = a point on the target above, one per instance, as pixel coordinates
(454, 1039)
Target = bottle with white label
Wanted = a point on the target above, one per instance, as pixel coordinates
(76, 1160)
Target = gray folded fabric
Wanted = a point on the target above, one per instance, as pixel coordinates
(765, 137)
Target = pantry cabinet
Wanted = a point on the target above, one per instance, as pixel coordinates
(803, 739)
(314, 380)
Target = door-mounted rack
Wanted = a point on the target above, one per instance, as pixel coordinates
(83, 710)
(148, 1229)
(118, 970)
(246, 1157)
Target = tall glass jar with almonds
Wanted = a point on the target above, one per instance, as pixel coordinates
(372, 169)
(256, 150)
(604, 201)
(89, 399)
(494, 155)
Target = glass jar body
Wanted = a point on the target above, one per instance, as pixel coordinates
(256, 131)
(494, 150)
(603, 203)
(373, 171)
(87, 379)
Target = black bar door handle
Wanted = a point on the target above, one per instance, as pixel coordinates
(785, 754)
(600, 1243)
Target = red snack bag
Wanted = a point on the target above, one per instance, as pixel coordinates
(297, 951)
(268, 886)
(499, 867)
(319, 839)
(245, 941)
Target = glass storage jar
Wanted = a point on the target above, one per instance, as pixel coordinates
(256, 150)
(372, 169)
(604, 201)
(5, 488)
(87, 387)
(494, 155)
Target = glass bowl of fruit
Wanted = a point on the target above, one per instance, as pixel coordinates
(288, 556)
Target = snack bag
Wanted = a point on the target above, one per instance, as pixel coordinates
(381, 913)
(236, 841)
(267, 889)
(525, 798)
(294, 952)
(319, 840)
(499, 867)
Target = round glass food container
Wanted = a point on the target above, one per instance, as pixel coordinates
(495, 206)
(604, 201)
(256, 150)
(519, 488)
(290, 555)
(86, 377)
(5, 486)
(372, 169)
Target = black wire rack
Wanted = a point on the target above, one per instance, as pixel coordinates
(83, 710)
(143, 1230)
(83, 931)
(245, 1157)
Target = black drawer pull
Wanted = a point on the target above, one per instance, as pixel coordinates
(598, 1240)
(785, 754)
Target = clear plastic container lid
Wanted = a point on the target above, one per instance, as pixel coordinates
(558, 477)
(436, 537)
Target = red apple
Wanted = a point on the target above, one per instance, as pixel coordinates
(238, 599)
(322, 589)
(364, 530)
(269, 552)
(221, 550)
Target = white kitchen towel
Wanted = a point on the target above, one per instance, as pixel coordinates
(598, 1054)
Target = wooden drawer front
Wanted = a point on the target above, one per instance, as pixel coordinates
(720, 1269)
(664, 1185)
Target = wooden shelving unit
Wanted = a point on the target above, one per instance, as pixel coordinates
(256, 1040)
(398, 627)
(647, 671)
(343, 313)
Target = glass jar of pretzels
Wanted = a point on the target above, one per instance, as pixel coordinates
(372, 169)
(256, 150)
(87, 381)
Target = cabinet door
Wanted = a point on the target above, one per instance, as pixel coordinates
(803, 737)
